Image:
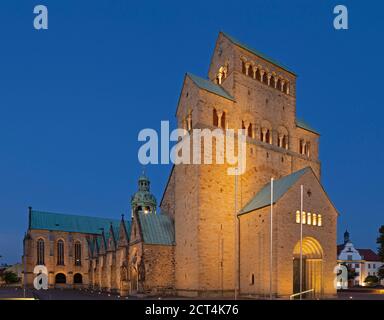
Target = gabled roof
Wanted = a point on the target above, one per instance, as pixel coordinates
(302, 124)
(257, 53)
(157, 229)
(71, 223)
(280, 187)
(368, 255)
(208, 85)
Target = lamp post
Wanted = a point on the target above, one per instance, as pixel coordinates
(271, 244)
(301, 240)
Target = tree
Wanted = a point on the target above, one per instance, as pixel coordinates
(352, 274)
(380, 273)
(10, 277)
(380, 242)
(371, 280)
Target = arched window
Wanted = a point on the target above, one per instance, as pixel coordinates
(60, 253)
(223, 120)
(307, 148)
(314, 219)
(258, 74)
(215, 118)
(77, 253)
(285, 142)
(309, 218)
(60, 278)
(319, 220)
(250, 130)
(77, 278)
(40, 251)
(287, 88)
(301, 146)
(268, 137)
(297, 216)
(243, 68)
(303, 215)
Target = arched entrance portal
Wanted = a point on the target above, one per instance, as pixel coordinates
(77, 278)
(60, 278)
(312, 273)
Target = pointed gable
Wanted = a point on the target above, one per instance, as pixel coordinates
(102, 244)
(280, 187)
(110, 240)
(123, 239)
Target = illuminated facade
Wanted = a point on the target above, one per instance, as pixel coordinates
(247, 90)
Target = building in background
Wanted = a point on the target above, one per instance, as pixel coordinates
(122, 256)
(363, 262)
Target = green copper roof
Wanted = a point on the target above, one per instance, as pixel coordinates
(304, 125)
(210, 86)
(280, 187)
(258, 53)
(72, 223)
(157, 229)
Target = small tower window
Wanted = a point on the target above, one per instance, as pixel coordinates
(314, 219)
(215, 118)
(319, 220)
(309, 218)
(297, 216)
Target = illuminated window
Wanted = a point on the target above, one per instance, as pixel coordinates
(314, 219)
(77, 254)
(309, 220)
(40, 251)
(303, 215)
(319, 220)
(60, 253)
(297, 216)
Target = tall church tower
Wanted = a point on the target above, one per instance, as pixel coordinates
(244, 90)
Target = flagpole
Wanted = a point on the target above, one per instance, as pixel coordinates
(301, 240)
(271, 244)
(236, 239)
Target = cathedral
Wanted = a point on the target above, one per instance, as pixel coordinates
(213, 234)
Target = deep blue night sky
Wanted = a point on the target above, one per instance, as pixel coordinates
(73, 98)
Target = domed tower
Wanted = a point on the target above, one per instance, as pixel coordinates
(143, 199)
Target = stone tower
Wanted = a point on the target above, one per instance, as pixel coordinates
(244, 90)
(143, 200)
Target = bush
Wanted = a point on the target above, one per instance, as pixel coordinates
(371, 280)
(10, 277)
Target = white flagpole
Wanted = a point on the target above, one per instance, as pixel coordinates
(236, 240)
(271, 244)
(301, 240)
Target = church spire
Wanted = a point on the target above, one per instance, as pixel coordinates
(346, 237)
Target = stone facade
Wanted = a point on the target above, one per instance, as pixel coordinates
(121, 257)
(204, 242)
(262, 101)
